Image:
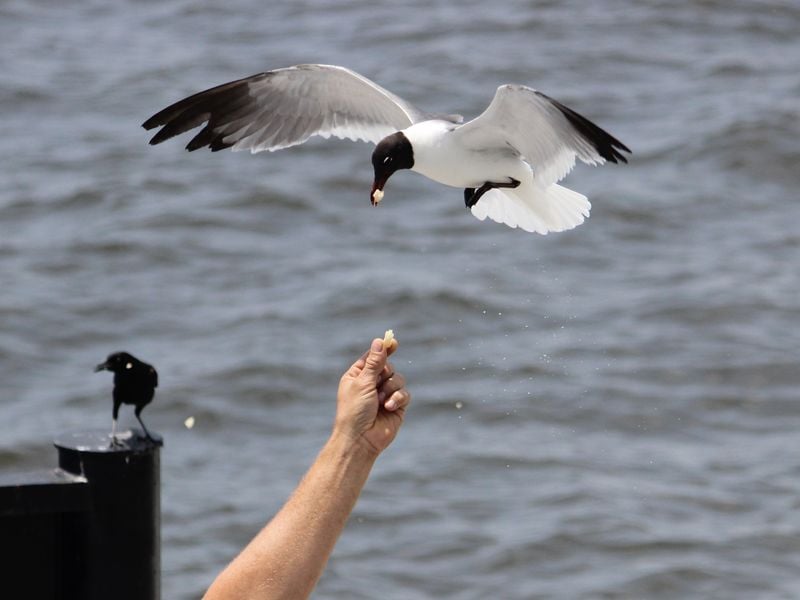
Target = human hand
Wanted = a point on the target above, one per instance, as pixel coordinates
(372, 400)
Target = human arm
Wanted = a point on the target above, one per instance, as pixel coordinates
(287, 557)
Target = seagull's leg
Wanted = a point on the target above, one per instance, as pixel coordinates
(471, 195)
(468, 194)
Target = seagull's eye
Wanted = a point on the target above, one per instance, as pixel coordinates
(128, 365)
(386, 160)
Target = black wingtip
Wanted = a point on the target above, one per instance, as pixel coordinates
(606, 144)
(213, 106)
(151, 123)
(157, 139)
(218, 145)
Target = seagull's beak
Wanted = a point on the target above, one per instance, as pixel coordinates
(377, 190)
(101, 367)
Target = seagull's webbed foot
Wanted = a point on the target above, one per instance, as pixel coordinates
(115, 443)
(471, 195)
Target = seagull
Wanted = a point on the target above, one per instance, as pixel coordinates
(135, 383)
(508, 160)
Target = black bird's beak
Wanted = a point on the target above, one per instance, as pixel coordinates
(101, 367)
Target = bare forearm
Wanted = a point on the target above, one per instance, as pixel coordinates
(287, 557)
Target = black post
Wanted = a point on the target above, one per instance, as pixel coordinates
(118, 539)
(36, 509)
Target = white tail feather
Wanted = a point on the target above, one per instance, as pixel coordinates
(534, 209)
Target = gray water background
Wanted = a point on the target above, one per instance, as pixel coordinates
(610, 412)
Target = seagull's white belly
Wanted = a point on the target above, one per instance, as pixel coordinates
(438, 158)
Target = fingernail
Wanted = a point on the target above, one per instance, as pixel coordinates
(377, 345)
(391, 404)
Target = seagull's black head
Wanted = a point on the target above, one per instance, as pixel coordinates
(117, 363)
(392, 153)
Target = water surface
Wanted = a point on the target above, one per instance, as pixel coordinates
(609, 412)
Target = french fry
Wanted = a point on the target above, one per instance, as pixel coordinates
(389, 343)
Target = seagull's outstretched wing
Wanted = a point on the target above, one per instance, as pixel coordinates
(546, 133)
(285, 107)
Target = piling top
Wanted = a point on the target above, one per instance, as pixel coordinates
(97, 441)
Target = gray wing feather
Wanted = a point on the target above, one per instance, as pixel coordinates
(547, 134)
(286, 107)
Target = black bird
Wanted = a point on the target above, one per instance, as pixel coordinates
(135, 382)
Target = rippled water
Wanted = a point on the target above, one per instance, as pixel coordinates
(628, 421)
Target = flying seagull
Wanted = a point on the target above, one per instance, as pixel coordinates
(508, 160)
(135, 383)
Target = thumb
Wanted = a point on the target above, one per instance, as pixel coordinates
(375, 361)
